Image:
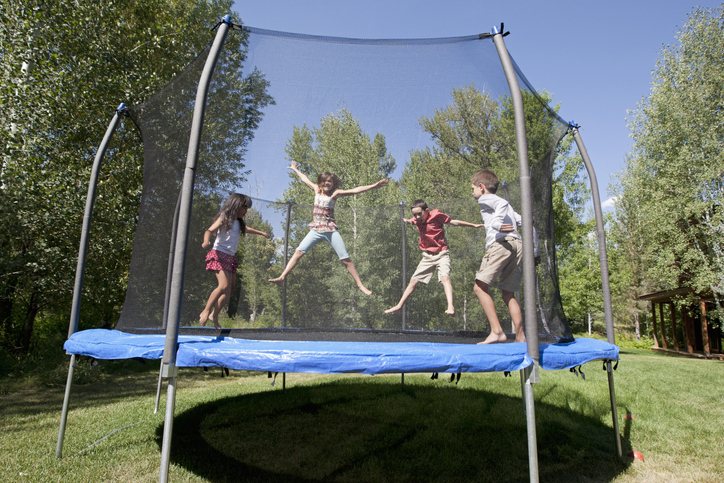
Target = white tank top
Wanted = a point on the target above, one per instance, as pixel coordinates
(227, 241)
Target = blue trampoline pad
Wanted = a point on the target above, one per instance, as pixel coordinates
(334, 356)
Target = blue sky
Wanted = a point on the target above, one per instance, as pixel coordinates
(595, 58)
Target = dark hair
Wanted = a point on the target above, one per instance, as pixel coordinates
(230, 208)
(488, 178)
(322, 177)
(419, 204)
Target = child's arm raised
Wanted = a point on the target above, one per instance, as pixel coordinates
(359, 189)
(256, 232)
(465, 223)
(211, 231)
(303, 176)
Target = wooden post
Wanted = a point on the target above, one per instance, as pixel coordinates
(663, 332)
(704, 328)
(673, 327)
(689, 332)
(653, 318)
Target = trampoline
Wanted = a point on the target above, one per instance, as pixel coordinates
(274, 354)
(313, 326)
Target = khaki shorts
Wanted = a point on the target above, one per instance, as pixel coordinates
(427, 265)
(503, 258)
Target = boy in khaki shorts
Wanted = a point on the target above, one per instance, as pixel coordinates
(430, 224)
(503, 255)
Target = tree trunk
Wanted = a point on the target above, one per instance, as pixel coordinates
(637, 325)
(27, 331)
(6, 311)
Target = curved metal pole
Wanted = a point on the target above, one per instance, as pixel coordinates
(168, 363)
(605, 283)
(80, 268)
(526, 203)
(530, 374)
(602, 255)
(169, 270)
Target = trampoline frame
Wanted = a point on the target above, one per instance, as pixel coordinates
(169, 369)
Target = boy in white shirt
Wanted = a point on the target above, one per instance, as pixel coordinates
(503, 256)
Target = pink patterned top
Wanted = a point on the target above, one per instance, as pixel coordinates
(323, 214)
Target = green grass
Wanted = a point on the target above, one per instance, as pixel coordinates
(369, 428)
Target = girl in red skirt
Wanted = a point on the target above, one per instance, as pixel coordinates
(221, 260)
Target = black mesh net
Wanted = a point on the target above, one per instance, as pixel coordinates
(266, 84)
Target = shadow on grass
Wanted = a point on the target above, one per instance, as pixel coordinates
(359, 431)
(106, 383)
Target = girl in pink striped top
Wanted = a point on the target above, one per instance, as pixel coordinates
(323, 226)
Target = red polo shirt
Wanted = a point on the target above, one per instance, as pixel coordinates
(432, 232)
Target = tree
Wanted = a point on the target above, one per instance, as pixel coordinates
(256, 255)
(65, 67)
(673, 178)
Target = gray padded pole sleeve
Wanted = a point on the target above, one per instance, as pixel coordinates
(89, 202)
(187, 194)
(526, 204)
(603, 256)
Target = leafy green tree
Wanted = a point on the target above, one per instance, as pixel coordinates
(65, 67)
(580, 278)
(256, 257)
(673, 177)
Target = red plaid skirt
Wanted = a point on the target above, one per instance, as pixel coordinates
(216, 260)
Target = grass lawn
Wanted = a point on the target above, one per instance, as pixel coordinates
(369, 428)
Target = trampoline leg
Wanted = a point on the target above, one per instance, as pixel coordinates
(168, 425)
(529, 375)
(64, 413)
(284, 381)
(402, 378)
(614, 413)
(158, 388)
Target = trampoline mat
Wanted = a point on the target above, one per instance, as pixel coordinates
(335, 356)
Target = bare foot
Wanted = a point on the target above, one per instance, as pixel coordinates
(279, 281)
(493, 338)
(214, 317)
(365, 290)
(393, 310)
(520, 338)
(216, 323)
(450, 311)
(203, 318)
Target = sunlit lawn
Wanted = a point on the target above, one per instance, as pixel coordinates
(370, 428)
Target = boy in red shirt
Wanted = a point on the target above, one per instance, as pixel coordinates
(434, 251)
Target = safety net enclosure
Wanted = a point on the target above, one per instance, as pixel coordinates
(375, 95)
(426, 113)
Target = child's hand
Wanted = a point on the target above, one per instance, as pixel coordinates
(381, 182)
(266, 235)
(206, 244)
(293, 167)
(506, 228)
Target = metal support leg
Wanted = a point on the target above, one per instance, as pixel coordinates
(158, 388)
(614, 413)
(64, 413)
(529, 376)
(168, 425)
